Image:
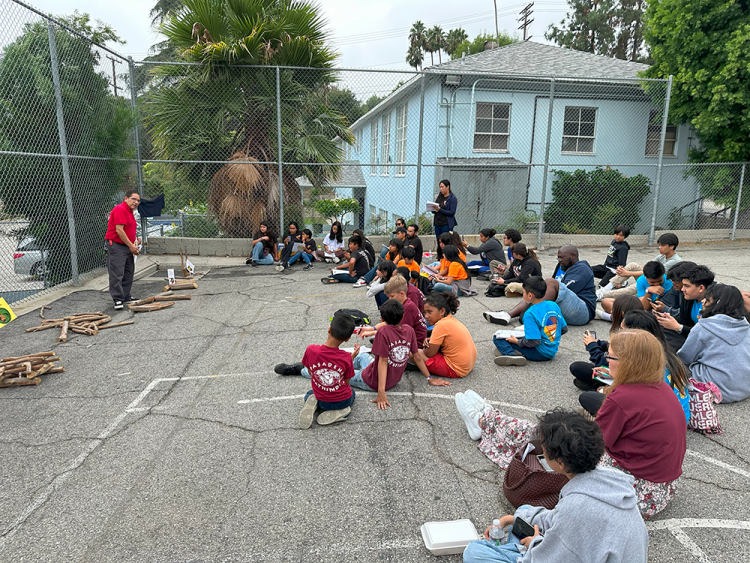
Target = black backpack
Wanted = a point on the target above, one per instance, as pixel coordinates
(495, 290)
(356, 315)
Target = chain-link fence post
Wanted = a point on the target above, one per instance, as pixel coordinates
(137, 140)
(280, 156)
(63, 153)
(540, 227)
(660, 165)
(737, 207)
(419, 148)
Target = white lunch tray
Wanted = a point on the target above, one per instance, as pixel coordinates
(448, 538)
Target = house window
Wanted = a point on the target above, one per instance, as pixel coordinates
(492, 128)
(653, 137)
(385, 149)
(384, 217)
(401, 141)
(373, 212)
(358, 139)
(373, 147)
(579, 130)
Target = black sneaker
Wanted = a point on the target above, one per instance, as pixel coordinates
(586, 386)
(289, 369)
(130, 299)
(249, 261)
(253, 264)
(118, 305)
(308, 267)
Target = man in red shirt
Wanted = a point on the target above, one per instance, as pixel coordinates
(121, 247)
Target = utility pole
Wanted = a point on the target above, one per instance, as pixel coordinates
(525, 14)
(497, 29)
(114, 74)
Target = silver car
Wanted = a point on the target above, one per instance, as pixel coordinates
(29, 258)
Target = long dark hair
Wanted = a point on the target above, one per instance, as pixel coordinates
(522, 250)
(399, 244)
(443, 300)
(456, 240)
(723, 299)
(489, 233)
(446, 239)
(621, 306)
(271, 242)
(645, 320)
(451, 254)
(388, 268)
(339, 236)
(361, 234)
(296, 226)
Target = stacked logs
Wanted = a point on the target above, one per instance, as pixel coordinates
(83, 323)
(26, 370)
(158, 302)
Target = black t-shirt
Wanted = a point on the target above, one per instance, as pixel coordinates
(361, 263)
(367, 247)
(416, 244)
(440, 220)
(311, 246)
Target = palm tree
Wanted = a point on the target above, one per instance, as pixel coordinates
(218, 112)
(435, 42)
(161, 10)
(415, 57)
(454, 38)
(417, 35)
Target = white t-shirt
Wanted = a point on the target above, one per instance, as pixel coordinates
(332, 244)
(668, 264)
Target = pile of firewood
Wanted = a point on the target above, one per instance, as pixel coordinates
(83, 323)
(157, 302)
(25, 370)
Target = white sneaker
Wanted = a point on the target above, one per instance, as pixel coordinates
(480, 402)
(498, 318)
(599, 294)
(471, 415)
(598, 314)
(336, 260)
(360, 283)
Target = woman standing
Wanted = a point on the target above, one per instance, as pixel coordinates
(445, 216)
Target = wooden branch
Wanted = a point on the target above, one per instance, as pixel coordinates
(181, 285)
(80, 330)
(177, 297)
(102, 327)
(165, 294)
(19, 381)
(41, 311)
(24, 358)
(103, 321)
(150, 307)
(64, 332)
(45, 326)
(145, 301)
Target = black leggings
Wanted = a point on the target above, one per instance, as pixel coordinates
(601, 271)
(585, 372)
(591, 401)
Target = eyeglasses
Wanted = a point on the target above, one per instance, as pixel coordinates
(135, 199)
(610, 358)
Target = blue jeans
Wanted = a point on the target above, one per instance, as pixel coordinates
(345, 277)
(484, 551)
(483, 265)
(446, 287)
(508, 349)
(304, 255)
(369, 276)
(266, 260)
(362, 360)
(573, 308)
(440, 230)
(335, 406)
(383, 252)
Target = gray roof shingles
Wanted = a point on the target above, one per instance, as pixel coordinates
(351, 177)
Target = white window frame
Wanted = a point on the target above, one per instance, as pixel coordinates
(401, 124)
(358, 141)
(492, 134)
(578, 137)
(374, 147)
(385, 147)
(653, 134)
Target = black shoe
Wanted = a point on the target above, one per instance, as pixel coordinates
(130, 299)
(248, 261)
(253, 264)
(289, 369)
(118, 305)
(585, 386)
(308, 267)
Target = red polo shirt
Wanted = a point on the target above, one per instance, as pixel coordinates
(121, 215)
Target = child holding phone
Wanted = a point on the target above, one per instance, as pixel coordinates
(572, 447)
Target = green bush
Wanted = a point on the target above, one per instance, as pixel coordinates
(594, 202)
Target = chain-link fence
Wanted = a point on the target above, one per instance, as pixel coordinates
(562, 159)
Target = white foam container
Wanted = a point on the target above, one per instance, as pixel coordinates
(448, 538)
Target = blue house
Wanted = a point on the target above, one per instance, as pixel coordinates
(486, 121)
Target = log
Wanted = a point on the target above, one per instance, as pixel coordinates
(150, 307)
(165, 294)
(84, 318)
(58, 369)
(103, 321)
(93, 327)
(19, 381)
(23, 369)
(41, 371)
(64, 332)
(35, 363)
(41, 311)
(113, 325)
(81, 330)
(23, 358)
(145, 301)
(45, 326)
(178, 297)
(27, 366)
(181, 285)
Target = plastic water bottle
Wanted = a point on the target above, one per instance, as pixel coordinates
(496, 532)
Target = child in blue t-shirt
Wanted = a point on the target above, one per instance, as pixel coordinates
(653, 284)
(543, 325)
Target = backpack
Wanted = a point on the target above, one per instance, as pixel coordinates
(495, 290)
(356, 315)
(423, 283)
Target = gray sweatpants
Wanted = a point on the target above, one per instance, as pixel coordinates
(121, 267)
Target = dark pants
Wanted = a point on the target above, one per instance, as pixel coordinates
(601, 271)
(508, 349)
(338, 405)
(675, 339)
(439, 230)
(591, 401)
(286, 252)
(121, 267)
(584, 371)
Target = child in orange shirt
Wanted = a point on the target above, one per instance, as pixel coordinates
(450, 350)
(458, 278)
(407, 259)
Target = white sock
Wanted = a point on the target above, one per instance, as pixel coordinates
(606, 316)
(608, 287)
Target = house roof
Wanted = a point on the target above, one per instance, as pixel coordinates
(530, 58)
(351, 177)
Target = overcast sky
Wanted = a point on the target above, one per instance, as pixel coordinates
(367, 33)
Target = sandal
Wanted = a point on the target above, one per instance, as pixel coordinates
(329, 280)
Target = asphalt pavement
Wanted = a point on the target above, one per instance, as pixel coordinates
(172, 440)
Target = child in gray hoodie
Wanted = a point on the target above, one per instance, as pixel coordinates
(717, 349)
(595, 498)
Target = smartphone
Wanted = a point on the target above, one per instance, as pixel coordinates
(543, 463)
(522, 529)
(592, 333)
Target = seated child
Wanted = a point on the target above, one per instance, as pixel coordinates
(572, 446)
(329, 370)
(450, 350)
(413, 294)
(617, 256)
(678, 320)
(308, 255)
(543, 325)
(396, 288)
(525, 264)
(458, 278)
(353, 269)
(649, 288)
(394, 345)
(385, 272)
(407, 259)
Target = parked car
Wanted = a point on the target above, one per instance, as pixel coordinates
(29, 258)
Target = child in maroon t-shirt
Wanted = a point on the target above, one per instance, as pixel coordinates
(329, 370)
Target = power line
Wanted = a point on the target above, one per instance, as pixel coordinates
(525, 14)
